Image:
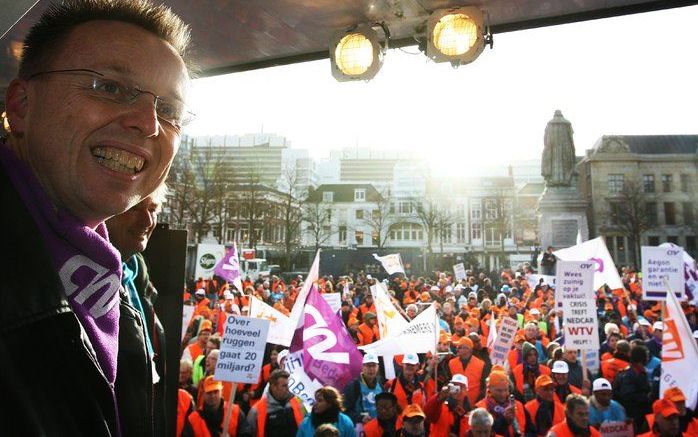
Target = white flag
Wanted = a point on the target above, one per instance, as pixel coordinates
(297, 310)
(492, 335)
(391, 263)
(595, 250)
(390, 321)
(679, 352)
(418, 337)
(280, 323)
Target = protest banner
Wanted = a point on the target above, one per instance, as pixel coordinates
(390, 321)
(592, 360)
(595, 250)
(420, 336)
(228, 268)
(616, 429)
(575, 289)
(187, 313)
(505, 338)
(679, 352)
(459, 271)
(280, 324)
(658, 264)
(690, 275)
(391, 263)
(334, 300)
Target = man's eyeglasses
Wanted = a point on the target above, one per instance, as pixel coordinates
(174, 113)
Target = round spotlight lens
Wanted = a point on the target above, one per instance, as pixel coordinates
(455, 34)
(354, 54)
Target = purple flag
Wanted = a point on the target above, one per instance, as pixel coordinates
(329, 353)
(228, 267)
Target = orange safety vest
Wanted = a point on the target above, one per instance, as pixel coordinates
(573, 389)
(519, 376)
(518, 410)
(473, 372)
(374, 429)
(532, 409)
(395, 387)
(198, 425)
(442, 427)
(611, 367)
(261, 407)
(562, 430)
(195, 351)
(367, 335)
(184, 401)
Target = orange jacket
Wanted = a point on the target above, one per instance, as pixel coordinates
(562, 430)
(418, 396)
(532, 409)
(198, 425)
(473, 372)
(373, 428)
(367, 335)
(611, 367)
(184, 407)
(262, 405)
(518, 373)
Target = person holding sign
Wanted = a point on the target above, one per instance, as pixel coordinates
(207, 421)
(327, 410)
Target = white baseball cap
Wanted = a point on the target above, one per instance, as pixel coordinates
(695, 333)
(644, 322)
(410, 358)
(534, 311)
(460, 379)
(283, 354)
(200, 292)
(227, 295)
(601, 384)
(370, 358)
(611, 327)
(561, 367)
(658, 325)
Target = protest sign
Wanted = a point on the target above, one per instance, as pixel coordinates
(207, 256)
(575, 288)
(242, 349)
(390, 321)
(505, 338)
(616, 429)
(590, 358)
(334, 300)
(187, 313)
(459, 271)
(279, 322)
(660, 264)
(391, 263)
(299, 383)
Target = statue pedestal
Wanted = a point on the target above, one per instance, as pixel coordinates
(562, 213)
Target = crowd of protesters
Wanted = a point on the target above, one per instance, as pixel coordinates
(543, 388)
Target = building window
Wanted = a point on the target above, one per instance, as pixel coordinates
(406, 232)
(653, 241)
(648, 183)
(404, 207)
(666, 183)
(327, 196)
(620, 249)
(651, 210)
(669, 213)
(685, 182)
(490, 209)
(359, 236)
(460, 232)
(360, 214)
(359, 195)
(615, 183)
(342, 234)
(376, 214)
(476, 211)
(375, 241)
(688, 217)
(476, 231)
(616, 217)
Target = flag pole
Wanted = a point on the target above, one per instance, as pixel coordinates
(229, 410)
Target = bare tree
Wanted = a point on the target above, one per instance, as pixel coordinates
(497, 218)
(207, 175)
(428, 212)
(629, 214)
(380, 219)
(317, 216)
(251, 194)
(181, 184)
(443, 226)
(293, 191)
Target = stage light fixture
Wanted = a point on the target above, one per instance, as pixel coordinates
(457, 35)
(357, 54)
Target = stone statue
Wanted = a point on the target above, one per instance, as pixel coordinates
(557, 166)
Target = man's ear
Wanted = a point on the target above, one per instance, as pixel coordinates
(16, 105)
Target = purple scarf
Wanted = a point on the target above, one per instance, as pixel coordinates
(88, 266)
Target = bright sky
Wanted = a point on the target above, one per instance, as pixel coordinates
(636, 74)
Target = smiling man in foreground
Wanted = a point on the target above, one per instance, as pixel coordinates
(95, 117)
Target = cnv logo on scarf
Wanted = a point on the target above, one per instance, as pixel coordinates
(104, 284)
